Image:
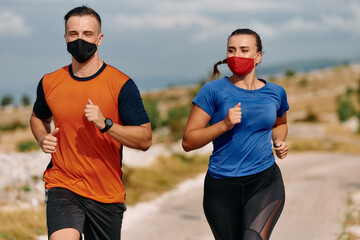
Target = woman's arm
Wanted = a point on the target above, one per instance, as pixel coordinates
(279, 134)
(197, 134)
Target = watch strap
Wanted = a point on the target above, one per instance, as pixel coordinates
(107, 126)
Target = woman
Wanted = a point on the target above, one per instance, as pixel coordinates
(243, 191)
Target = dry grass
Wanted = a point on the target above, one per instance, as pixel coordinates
(146, 183)
(141, 184)
(22, 224)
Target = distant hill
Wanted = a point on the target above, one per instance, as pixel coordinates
(304, 65)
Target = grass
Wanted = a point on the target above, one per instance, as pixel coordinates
(22, 224)
(352, 219)
(141, 184)
(13, 126)
(328, 145)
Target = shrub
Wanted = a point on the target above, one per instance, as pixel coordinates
(176, 120)
(152, 110)
(310, 116)
(13, 126)
(26, 188)
(27, 146)
(6, 100)
(303, 82)
(25, 100)
(289, 73)
(345, 108)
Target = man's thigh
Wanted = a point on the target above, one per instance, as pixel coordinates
(103, 220)
(64, 210)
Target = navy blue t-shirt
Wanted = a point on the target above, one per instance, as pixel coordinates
(246, 149)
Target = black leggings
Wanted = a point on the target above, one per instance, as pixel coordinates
(244, 208)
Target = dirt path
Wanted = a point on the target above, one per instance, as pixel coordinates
(317, 189)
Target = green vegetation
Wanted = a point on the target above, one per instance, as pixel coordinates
(176, 121)
(151, 107)
(304, 82)
(348, 104)
(289, 73)
(13, 126)
(26, 188)
(27, 146)
(352, 219)
(25, 100)
(7, 100)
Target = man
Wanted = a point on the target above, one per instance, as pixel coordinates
(96, 110)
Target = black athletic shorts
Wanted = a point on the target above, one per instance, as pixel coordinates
(96, 220)
(244, 208)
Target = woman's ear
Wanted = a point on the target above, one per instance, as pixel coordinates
(258, 58)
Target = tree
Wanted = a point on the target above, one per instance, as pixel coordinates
(6, 100)
(289, 73)
(25, 100)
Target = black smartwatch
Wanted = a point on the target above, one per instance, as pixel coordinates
(108, 125)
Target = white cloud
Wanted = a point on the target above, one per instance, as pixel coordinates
(13, 24)
(163, 21)
(223, 6)
(349, 23)
(213, 18)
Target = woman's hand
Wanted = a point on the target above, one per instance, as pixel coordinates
(233, 116)
(281, 149)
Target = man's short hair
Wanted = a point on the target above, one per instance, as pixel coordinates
(82, 11)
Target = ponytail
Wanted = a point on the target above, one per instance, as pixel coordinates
(216, 73)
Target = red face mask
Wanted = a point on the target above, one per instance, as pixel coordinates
(240, 65)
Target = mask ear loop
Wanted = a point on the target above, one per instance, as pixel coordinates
(98, 39)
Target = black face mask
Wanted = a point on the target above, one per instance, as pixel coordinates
(81, 50)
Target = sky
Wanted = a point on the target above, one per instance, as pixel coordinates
(162, 43)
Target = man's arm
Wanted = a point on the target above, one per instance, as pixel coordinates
(138, 137)
(41, 129)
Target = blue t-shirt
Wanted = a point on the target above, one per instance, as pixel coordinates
(246, 149)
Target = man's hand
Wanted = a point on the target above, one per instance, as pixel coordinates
(281, 149)
(49, 142)
(94, 114)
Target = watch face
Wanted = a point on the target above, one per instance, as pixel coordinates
(108, 122)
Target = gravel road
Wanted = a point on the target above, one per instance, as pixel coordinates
(317, 189)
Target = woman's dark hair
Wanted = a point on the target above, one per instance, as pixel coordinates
(82, 11)
(247, 31)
